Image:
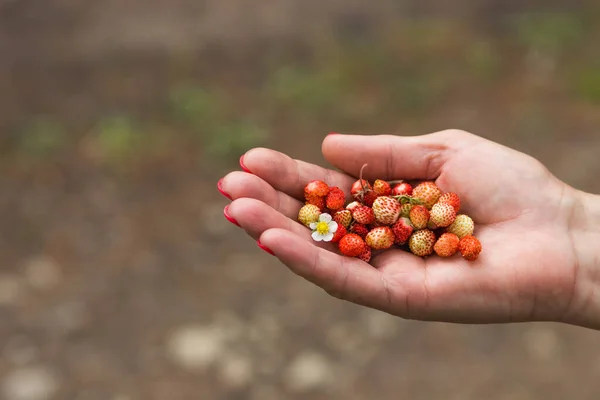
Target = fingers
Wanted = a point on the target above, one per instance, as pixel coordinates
(255, 217)
(342, 277)
(394, 157)
(239, 184)
(288, 175)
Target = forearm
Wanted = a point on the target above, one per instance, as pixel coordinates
(584, 307)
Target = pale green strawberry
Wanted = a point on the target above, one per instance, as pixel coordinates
(462, 226)
(308, 213)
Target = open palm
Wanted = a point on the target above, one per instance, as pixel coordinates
(526, 270)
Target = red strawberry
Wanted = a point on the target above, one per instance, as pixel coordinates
(421, 242)
(469, 247)
(402, 188)
(360, 229)
(452, 199)
(419, 216)
(442, 214)
(402, 230)
(386, 210)
(366, 255)
(352, 245)
(427, 192)
(308, 213)
(335, 199)
(462, 226)
(363, 215)
(317, 201)
(369, 198)
(351, 206)
(446, 245)
(359, 187)
(343, 218)
(316, 188)
(382, 188)
(380, 238)
(339, 233)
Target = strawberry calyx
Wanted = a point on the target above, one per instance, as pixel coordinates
(404, 199)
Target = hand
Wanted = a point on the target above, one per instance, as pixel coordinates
(524, 216)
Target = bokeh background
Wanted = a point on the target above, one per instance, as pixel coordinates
(121, 280)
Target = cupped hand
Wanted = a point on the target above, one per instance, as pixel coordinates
(528, 266)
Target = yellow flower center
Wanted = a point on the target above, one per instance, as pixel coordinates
(322, 228)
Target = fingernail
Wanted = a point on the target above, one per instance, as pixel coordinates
(244, 166)
(265, 248)
(220, 187)
(332, 133)
(229, 217)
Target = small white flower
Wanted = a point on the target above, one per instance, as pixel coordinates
(324, 229)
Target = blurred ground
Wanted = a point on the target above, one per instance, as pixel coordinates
(121, 280)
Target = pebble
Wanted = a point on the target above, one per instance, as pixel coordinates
(43, 272)
(542, 343)
(195, 346)
(235, 371)
(30, 383)
(308, 371)
(11, 289)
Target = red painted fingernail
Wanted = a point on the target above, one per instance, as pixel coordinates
(265, 248)
(220, 187)
(243, 166)
(229, 217)
(332, 133)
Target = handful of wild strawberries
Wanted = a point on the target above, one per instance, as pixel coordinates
(422, 220)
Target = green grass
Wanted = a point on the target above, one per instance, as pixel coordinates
(41, 136)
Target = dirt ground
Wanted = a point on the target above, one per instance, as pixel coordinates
(121, 280)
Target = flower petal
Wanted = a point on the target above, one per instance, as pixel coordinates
(317, 236)
(325, 217)
(333, 226)
(328, 237)
(313, 225)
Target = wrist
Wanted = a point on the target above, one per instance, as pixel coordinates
(584, 307)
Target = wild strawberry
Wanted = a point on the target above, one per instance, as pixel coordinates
(352, 245)
(402, 230)
(369, 198)
(363, 215)
(452, 199)
(405, 209)
(335, 199)
(317, 201)
(446, 245)
(427, 192)
(442, 214)
(366, 255)
(382, 188)
(469, 247)
(380, 238)
(343, 218)
(308, 213)
(402, 188)
(339, 233)
(316, 188)
(359, 187)
(386, 210)
(360, 229)
(351, 206)
(419, 216)
(462, 226)
(421, 242)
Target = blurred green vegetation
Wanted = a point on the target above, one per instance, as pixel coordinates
(409, 71)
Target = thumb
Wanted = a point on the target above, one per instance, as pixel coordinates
(392, 156)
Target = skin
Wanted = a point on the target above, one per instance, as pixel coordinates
(540, 258)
